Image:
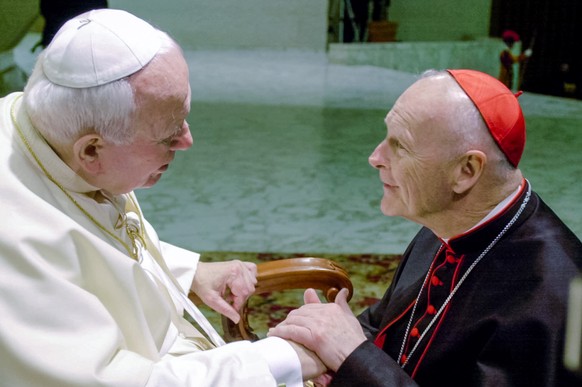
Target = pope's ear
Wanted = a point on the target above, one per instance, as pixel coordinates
(469, 170)
(87, 153)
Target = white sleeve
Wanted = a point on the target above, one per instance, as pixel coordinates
(87, 339)
(282, 359)
(267, 362)
(182, 263)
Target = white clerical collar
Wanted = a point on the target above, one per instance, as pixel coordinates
(494, 212)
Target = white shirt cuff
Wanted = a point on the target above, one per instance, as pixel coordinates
(282, 360)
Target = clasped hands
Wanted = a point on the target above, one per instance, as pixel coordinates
(330, 331)
(322, 334)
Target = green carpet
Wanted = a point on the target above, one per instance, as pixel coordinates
(370, 275)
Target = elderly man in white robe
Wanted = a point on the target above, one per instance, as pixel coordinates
(89, 295)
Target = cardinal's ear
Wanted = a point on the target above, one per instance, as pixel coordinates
(468, 171)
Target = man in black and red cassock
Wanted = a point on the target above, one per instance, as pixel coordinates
(480, 297)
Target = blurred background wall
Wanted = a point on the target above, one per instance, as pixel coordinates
(420, 33)
(232, 24)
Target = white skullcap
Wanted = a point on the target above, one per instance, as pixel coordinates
(98, 47)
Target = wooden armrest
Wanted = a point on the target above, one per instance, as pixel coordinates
(292, 273)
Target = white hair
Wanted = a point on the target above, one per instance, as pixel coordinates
(62, 113)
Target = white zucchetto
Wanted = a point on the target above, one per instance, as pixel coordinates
(98, 47)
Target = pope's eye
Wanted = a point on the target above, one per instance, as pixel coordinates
(167, 141)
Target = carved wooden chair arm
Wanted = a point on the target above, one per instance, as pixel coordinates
(292, 273)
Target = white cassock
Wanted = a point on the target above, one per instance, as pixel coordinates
(77, 310)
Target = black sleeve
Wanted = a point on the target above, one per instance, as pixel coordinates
(369, 366)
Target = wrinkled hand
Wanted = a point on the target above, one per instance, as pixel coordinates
(311, 365)
(225, 286)
(330, 330)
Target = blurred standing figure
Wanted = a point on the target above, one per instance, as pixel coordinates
(508, 59)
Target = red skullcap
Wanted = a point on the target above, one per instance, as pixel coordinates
(510, 35)
(498, 107)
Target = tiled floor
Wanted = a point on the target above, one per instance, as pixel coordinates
(279, 162)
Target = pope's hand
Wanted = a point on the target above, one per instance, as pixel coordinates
(330, 330)
(225, 286)
(311, 365)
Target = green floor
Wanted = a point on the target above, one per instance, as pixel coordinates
(267, 173)
(279, 162)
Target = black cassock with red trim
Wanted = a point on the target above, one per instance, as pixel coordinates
(504, 326)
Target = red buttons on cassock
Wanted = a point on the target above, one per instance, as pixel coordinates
(431, 309)
(403, 359)
(414, 332)
(435, 281)
(451, 259)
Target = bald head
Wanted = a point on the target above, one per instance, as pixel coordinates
(442, 114)
(442, 106)
(162, 86)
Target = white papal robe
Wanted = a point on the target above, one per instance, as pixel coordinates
(76, 309)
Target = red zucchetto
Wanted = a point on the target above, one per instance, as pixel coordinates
(498, 107)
